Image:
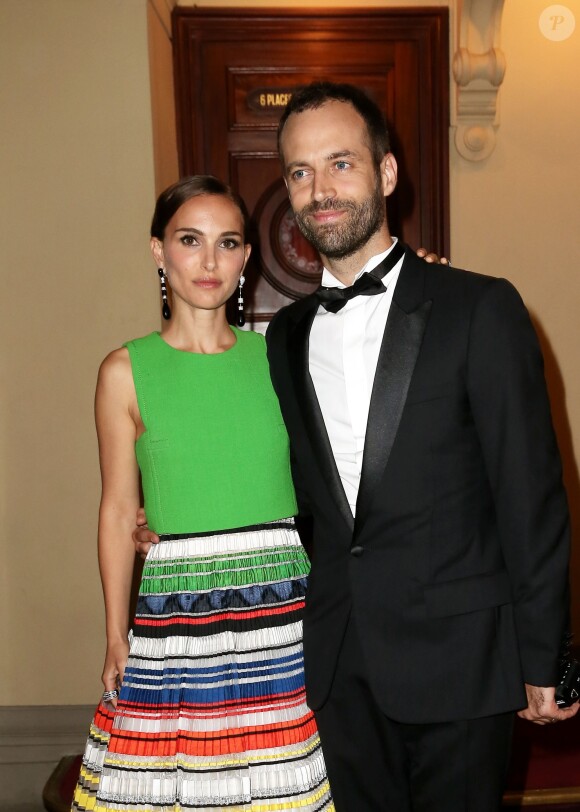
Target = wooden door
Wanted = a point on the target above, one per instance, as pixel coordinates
(235, 70)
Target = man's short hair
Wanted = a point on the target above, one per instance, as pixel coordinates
(317, 94)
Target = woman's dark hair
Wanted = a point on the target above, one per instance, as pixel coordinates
(179, 193)
(317, 94)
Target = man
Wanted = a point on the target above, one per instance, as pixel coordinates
(423, 449)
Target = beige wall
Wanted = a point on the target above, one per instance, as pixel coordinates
(77, 192)
(517, 214)
(76, 196)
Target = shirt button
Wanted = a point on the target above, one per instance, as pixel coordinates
(357, 551)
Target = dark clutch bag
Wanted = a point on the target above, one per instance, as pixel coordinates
(568, 689)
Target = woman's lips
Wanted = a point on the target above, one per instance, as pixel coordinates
(208, 284)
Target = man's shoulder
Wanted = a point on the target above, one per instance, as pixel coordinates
(450, 274)
(288, 315)
(455, 278)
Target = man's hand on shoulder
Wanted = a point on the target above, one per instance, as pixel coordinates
(142, 536)
(431, 256)
(542, 708)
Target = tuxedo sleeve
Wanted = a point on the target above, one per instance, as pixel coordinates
(279, 376)
(510, 407)
(301, 492)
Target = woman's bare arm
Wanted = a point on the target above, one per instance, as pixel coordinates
(116, 417)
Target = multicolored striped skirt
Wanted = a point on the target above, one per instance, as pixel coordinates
(212, 711)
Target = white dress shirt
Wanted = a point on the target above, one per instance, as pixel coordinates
(343, 353)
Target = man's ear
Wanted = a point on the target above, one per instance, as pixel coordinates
(389, 173)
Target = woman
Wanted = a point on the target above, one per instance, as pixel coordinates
(211, 709)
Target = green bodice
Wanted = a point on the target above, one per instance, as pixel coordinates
(214, 454)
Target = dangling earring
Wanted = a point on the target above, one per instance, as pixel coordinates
(241, 318)
(165, 310)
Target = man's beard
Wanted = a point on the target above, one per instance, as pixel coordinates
(338, 240)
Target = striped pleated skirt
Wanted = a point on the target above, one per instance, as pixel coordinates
(212, 711)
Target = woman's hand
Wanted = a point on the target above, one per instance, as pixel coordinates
(431, 256)
(114, 668)
(142, 536)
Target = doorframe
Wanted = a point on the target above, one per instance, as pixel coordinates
(428, 24)
(474, 32)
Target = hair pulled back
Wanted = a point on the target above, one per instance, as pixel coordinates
(172, 198)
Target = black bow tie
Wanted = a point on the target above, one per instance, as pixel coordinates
(334, 299)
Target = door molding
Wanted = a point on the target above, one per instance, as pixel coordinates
(475, 115)
(235, 68)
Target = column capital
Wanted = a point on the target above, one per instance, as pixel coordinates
(478, 71)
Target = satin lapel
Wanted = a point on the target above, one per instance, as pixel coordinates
(398, 355)
(310, 410)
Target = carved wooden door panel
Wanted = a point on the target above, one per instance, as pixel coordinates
(234, 71)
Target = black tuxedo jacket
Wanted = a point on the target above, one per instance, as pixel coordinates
(455, 569)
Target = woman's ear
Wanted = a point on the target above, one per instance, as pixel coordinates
(247, 252)
(157, 250)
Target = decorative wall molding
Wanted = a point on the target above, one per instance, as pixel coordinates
(33, 739)
(478, 69)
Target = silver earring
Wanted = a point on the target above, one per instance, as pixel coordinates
(241, 318)
(165, 309)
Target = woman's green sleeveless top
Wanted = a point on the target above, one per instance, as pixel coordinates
(214, 454)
